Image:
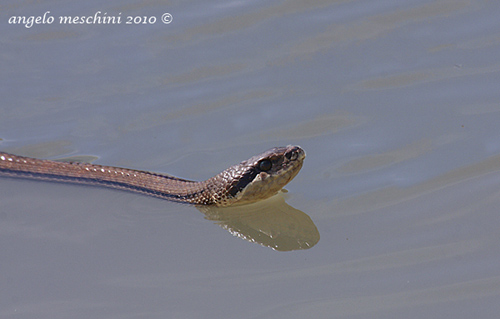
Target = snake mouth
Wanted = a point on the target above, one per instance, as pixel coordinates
(293, 160)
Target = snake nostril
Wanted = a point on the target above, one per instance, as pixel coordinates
(291, 155)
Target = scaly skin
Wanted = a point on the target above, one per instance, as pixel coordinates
(255, 179)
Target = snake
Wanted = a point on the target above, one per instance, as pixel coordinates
(257, 178)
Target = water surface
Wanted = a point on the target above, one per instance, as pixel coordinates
(395, 102)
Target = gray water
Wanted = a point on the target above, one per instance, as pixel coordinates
(395, 102)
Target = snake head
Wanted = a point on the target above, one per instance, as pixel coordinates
(260, 176)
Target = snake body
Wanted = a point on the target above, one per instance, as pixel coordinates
(257, 178)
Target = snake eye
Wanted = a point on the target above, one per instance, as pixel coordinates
(265, 165)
